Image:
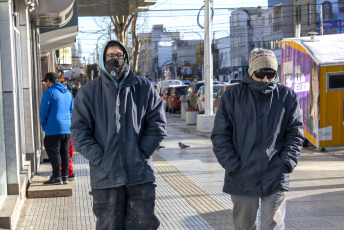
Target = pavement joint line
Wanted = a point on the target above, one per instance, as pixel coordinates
(194, 195)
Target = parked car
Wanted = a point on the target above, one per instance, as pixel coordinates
(219, 94)
(186, 82)
(163, 84)
(193, 89)
(231, 81)
(201, 96)
(173, 103)
(166, 94)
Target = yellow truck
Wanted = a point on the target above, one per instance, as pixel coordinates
(314, 68)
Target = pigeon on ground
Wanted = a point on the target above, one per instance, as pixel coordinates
(160, 147)
(183, 146)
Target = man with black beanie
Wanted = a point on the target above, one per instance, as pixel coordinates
(118, 121)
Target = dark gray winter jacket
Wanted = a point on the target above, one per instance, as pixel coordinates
(117, 127)
(257, 137)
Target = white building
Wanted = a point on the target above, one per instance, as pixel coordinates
(224, 47)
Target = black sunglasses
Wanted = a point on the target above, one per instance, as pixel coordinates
(269, 73)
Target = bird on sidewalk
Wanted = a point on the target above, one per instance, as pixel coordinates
(183, 146)
(160, 147)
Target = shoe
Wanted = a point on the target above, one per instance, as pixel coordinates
(72, 177)
(65, 180)
(52, 180)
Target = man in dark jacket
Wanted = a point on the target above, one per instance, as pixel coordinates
(55, 113)
(257, 138)
(118, 121)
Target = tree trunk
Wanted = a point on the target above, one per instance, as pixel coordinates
(121, 24)
(135, 44)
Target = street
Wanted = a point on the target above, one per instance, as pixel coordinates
(189, 192)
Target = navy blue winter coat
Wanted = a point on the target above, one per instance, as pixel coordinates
(257, 137)
(56, 110)
(117, 127)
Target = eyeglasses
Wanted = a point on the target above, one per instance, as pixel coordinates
(112, 56)
(269, 73)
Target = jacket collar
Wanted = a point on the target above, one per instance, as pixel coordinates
(128, 80)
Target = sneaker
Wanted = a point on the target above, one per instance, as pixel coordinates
(65, 180)
(52, 180)
(72, 177)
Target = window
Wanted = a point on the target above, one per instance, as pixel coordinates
(270, 19)
(298, 13)
(335, 81)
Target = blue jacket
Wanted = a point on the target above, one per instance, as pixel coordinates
(257, 137)
(56, 110)
(117, 127)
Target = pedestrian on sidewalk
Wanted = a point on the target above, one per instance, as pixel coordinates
(118, 121)
(55, 113)
(71, 174)
(257, 138)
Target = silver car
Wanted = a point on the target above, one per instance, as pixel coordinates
(201, 96)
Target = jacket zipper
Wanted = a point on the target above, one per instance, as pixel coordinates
(262, 148)
(122, 130)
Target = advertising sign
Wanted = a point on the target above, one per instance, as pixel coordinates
(333, 16)
(65, 55)
(301, 74)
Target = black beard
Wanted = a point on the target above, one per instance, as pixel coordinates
(115, 67)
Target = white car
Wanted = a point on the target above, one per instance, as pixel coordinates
(163, 84)
(201, 96)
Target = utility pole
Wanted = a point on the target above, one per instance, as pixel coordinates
(208, 65)
(321, 21)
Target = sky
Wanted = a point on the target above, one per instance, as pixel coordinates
(175, 15)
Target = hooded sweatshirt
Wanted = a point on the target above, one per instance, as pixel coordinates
(117, 126)
(56, 110)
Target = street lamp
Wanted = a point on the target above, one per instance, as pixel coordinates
(97, 48)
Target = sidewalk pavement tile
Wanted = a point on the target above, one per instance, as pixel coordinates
(189, 192)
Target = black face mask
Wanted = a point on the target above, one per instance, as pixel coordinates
(115, 67)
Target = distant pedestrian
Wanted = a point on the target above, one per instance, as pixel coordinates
(71, 174)
(118, 122)
(55, 113)
(257, 138)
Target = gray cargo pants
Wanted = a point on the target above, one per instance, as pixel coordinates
(130, 208)
(273, 208)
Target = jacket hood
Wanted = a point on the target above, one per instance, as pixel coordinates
(60, 87)
(102, 59)
(260, 88)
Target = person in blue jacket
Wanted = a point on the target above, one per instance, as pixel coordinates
(118, 122)
(55, 113)
(257, 138)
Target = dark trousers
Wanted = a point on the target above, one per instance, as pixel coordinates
(57, 147)
(130, 208)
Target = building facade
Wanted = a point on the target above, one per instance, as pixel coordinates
(224, 58)
(31, 31)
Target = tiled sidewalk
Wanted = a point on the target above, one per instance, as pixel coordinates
(189, 192)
